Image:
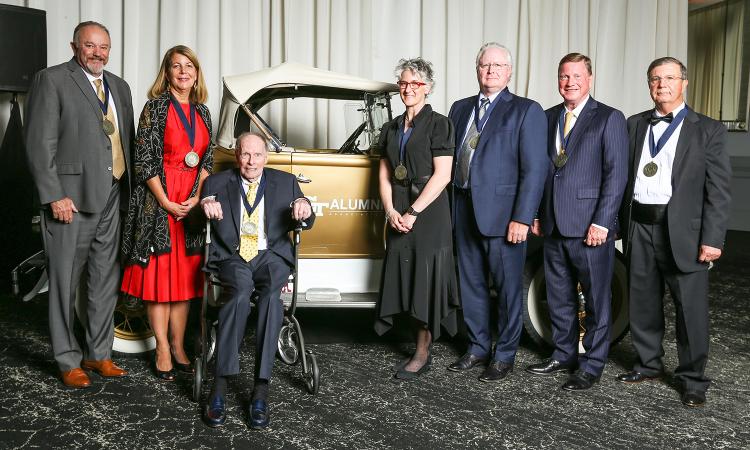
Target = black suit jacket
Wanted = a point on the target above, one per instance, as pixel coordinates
(281, 189)
(698, 211)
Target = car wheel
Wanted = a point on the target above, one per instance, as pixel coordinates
(536, 311)
(133, 333)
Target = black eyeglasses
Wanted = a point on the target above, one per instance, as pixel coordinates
(414, 85)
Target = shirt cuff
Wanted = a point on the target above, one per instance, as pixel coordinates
(600, 227)
(207, 198)
(301, 198)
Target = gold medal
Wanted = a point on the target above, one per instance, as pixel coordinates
(474, 141)
(108, 127)
(650, 169)
(192, 159)
(561, 159)
(400, 172)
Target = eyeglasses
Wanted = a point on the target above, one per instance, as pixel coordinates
(493, 66)
(414, 85)
(669, 79)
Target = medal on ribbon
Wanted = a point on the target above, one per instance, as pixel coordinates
(249, 228)
(474, 141)
(561, 159)
(108, 127)
(400, 172)
(191, 158)
(650, 169)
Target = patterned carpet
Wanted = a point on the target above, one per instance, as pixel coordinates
(361, 406)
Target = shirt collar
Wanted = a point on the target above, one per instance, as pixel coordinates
(246, 182)
(491, 97)
(577, 110)
(90, 77)
(674, 111)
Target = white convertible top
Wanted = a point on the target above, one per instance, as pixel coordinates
(287, 80)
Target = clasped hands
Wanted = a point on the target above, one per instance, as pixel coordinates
(401, 223)
(181, 209)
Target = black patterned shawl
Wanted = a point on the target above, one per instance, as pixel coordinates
(146, 227)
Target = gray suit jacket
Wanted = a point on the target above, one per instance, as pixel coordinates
(68, 152)
(698, 212)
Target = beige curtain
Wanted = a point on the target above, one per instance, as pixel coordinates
(715, 59)
(367, 37)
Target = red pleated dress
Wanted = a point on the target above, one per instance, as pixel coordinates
(174, 276)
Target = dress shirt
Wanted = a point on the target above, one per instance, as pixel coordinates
(262, 239)
(471, 116)
(111, 103)
(657, 190)
(576, 112)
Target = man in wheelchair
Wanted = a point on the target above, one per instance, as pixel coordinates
(252, 209)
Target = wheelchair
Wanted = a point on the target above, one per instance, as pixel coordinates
(291, 343)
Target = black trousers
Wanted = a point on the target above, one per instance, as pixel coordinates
(651, 267)
(265, 274)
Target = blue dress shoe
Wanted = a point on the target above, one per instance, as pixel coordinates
(259, 415)
(496, 371)
(214, 415)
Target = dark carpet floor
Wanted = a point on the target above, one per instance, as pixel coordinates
(360, 405)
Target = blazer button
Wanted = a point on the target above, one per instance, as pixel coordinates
(109, 168)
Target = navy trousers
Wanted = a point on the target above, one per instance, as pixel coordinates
(265, 274)
(481, 257)
(568, 261)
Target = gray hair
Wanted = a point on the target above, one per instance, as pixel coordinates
(266, 141)
(667, 60)
(484, 47)
(417, 65)
(82, 25)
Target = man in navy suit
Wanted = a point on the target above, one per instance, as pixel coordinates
(674, 217)
(498, 179)
(251, 252)
(588, 145)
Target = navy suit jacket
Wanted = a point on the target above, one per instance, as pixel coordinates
(698, 212)
(509, 164)
(589, 187)
(281, 189)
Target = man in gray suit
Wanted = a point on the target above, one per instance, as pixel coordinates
(674, 215)
(79, 127)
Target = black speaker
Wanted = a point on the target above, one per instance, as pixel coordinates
(23, 46)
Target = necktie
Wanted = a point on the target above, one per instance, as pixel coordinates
(249, 241)
(483, 107)
(118, 160)
(654, 119)
(568, 123)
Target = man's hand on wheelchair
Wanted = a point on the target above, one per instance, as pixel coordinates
(301, 209)
(212, 208)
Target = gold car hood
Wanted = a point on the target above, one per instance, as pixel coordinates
(287, 80)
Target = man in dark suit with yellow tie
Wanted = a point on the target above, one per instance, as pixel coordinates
(252, 210)
(578, 217)
(79, 129)
(674, 217)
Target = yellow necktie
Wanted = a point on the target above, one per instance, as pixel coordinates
(249, 241)
(118, 159)
(568, 123)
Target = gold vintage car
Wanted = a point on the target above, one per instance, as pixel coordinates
(341, 257)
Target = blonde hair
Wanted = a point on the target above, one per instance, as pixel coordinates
(199, 93)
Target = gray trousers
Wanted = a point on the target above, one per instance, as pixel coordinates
(90, 242)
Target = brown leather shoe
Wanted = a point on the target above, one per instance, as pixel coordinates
(105, 368)
(75, 378)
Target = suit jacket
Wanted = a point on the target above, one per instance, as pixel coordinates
(509, 164)
(68, 152)
(281, 189)
(588, 188)
(698, 212)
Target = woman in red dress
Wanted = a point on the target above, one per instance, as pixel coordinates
(172, 158)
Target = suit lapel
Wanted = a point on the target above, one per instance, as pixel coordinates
(86, 88)
(463, 119)
(582, 123)
(640, 136)
(270, 187)
(683, 143)
(233, 194)
(119, 106)
(552, 131)
(504, 98)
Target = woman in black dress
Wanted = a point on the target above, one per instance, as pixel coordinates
(418, 272)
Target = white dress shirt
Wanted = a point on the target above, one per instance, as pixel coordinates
(262, 239)
(657, 190)
(471, 116)
(576, 112)
(111, 103)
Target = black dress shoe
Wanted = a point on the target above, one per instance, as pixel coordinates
(407, 375)
(580, 380)
(694, 399)
(259, 415)
(466, 362)
(548, 367)
(214, 414)
(165, 375)
(184, 368)
(496, 371)
(636, 377)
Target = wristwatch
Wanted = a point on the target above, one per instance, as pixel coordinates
(411, 211)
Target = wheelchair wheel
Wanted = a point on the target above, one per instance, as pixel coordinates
(198, 378)
(288, 344)
(312, 374)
